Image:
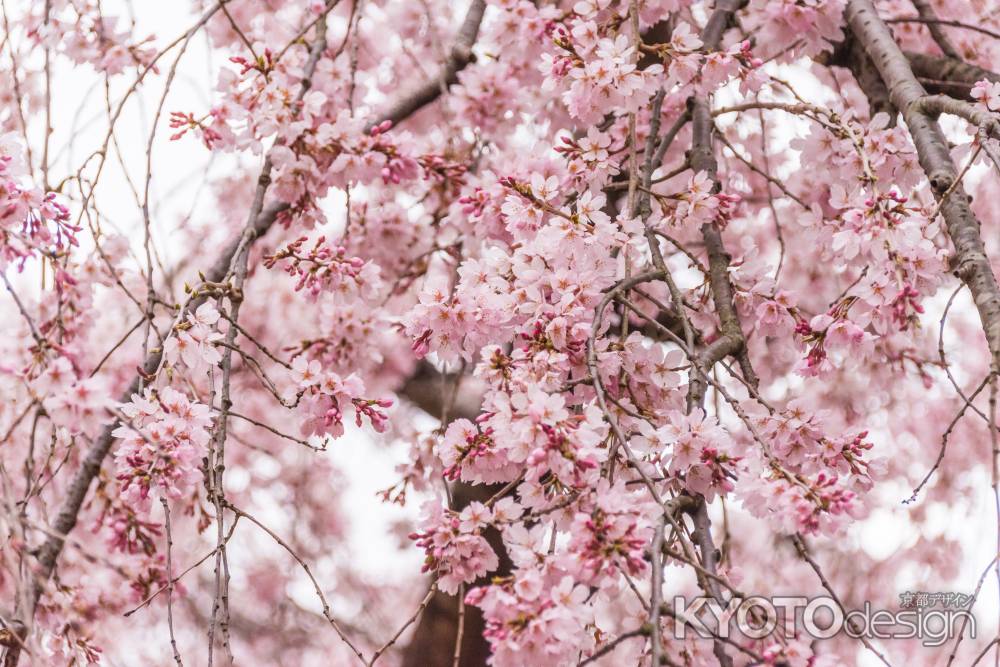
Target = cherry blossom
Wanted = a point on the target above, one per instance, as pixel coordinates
(480, 332)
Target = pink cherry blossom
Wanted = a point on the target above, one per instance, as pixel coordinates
(334, 327)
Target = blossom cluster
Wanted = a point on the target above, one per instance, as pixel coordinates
(454, 546)
(328, 269)
(194, 340)
(323, 396)
(162, 441)
(535, 619)
(32, 222)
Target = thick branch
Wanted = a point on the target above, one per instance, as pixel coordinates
(907, 95)
(702, 158)
(731, 341)
(934, 105)
(938, 74)
(944, 69)
(926, 12)
(460, 56)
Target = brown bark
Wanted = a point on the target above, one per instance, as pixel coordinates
(947, 76)
(433, 642)
(731, 341)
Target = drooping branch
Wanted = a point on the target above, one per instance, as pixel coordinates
(66, 520)
(731, 342)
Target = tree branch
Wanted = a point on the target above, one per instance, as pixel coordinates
(66, 520)
(460, 56)
(926, 13)
(907, 95)
(938, 68)
(702, 158)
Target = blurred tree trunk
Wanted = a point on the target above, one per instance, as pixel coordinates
(433, 642)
